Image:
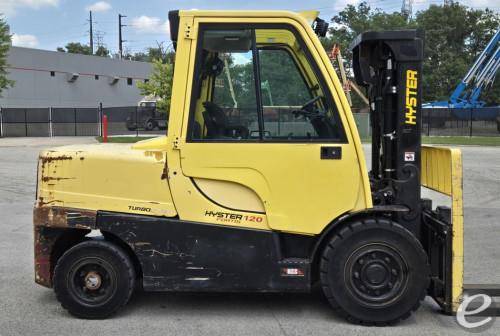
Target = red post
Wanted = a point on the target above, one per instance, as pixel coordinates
(104, 128)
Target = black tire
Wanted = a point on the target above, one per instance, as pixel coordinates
(374, 272)
(85, 294)
(149, 125)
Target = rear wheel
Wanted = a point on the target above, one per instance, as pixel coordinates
(374, 272)
(149, 125)
(93, 279)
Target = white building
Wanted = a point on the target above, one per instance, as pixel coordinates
(55, 79)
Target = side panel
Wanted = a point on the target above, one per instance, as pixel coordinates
(300, 192)
(177, 255)
(112, 177)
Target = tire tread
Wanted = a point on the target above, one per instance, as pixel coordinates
(93, 245)
(329, 251)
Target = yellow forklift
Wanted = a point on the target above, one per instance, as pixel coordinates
(260, 184)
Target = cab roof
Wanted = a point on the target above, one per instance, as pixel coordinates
(174, 16)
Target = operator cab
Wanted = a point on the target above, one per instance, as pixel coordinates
(233, 63)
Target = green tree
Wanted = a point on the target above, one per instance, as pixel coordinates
(151, 54)
(138, 56)
(159, 84)
(277, 68)
(79, 48)
(455, 35)
(102, 51)
(5, 40)
(76, 48)
(354, 20)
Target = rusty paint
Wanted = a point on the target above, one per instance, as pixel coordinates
(41, 202)
(45, 161)
(50, 178)
(49, 224)
(48, 159)
(64, 217)
(164, 174)
(156, 154)
(43, 248)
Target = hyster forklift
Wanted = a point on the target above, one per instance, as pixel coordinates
(261, 184)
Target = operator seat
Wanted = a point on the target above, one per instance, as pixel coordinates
(218, 126)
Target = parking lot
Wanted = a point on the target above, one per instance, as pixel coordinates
(28, 309)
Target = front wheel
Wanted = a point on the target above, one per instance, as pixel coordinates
(374, 272)
(93, 279)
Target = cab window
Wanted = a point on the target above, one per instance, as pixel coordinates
(259, 85)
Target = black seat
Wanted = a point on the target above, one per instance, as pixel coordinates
(217, 123)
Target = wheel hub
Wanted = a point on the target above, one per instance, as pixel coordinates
(376, 274)
(93, 280)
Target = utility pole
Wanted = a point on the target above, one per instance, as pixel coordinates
(120, 40)
(91, 36)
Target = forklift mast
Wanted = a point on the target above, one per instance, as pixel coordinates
(389, 65)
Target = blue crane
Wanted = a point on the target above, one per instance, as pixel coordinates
(479, 77)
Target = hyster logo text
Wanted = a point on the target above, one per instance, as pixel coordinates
(411, 97)
(225, 215)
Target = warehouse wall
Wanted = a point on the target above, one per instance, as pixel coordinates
(41, 80)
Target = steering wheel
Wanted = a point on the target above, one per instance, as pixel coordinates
(305, 109)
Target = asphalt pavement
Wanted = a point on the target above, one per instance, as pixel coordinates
(29, 309)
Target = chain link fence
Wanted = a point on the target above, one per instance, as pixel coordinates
(134, 120)
(49, 122)
(483, 121)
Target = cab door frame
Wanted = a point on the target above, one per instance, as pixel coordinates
(178, 139)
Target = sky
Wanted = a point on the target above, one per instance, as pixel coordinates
(48, 24)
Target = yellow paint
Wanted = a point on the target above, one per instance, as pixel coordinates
(156, 144)
(298, 191)
(309, 15)
(231, 195)
(411, 97)
(111, 177)
(442, 172)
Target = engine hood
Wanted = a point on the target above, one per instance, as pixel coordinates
(111, 177)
